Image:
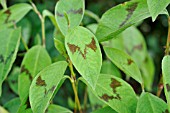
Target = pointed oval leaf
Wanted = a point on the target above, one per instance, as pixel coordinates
(44, 85)
(34, 61)
(124, 16)
(69, 14)
(156, 7)
(8, 50)
(149, 103)
(14, 13)
(84, 51)
(57, 109)
(166, 77)
(116, 93)
(124, 62)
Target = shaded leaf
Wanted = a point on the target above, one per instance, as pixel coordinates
(69, 14)
(12, 105)
(116, 93)
(166, 77)
(13, 79)
(156, 7)
(124, 15)
(148, 71)
(44, 85)
(124, 62)
(84, 52)
(149, 103)
(34, 61)
(8, 50)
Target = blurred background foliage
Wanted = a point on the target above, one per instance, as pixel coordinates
(155, 36)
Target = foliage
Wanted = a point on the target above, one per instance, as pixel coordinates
(75, 61)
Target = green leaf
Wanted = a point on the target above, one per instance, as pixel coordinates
(135, 45)
(106, 109)
(13, 105)
(85, 54)
(124, 62)
(25, 106)
(8, 50)
(92, 27)
(95, 102)
(34, 61)
(109, 68)
(166, 77)
(69, 14)
(148, 71)
(14, 13)
(117, 42)
(13, 79)
(59, 42)
(156, 7)
(124, 16)
(44, 85)
(149, 103)
(116, 93)
(57, 109)
(47, 13)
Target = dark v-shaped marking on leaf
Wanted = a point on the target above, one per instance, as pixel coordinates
(40, 82)
(131, 8)
(71, 11)
(92, 45)
(136, 47)
(114, 84)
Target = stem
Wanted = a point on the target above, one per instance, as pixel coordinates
(71, 69)
(92, 15)
(168, 38)
(85, 99)
(3, 3)
(76, 95)
(24, 43)
(42, 22)
(73, 83)
(160, 85)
